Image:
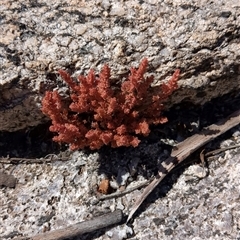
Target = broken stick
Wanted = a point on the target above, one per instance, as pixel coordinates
(184, 149)
(77, 229)
(48, 159)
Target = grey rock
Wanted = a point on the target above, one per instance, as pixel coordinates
(40, 37)
(37, 39)
(54, 195)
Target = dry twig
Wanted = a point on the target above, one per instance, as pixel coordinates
(184, 149)
(47, 159)
(127, 190)
(220, 150)
(77, 229)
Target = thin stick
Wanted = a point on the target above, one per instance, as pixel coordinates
(127, 190)
(220, 150)
(47, 159)
(184, 149)
(144, 183)
(77, 229)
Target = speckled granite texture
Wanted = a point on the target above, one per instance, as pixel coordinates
(186, 205)
(201, 38)
(39, 37)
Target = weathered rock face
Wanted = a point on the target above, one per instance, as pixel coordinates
(201, 38)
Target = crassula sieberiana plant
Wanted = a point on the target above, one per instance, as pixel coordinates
(99, 114)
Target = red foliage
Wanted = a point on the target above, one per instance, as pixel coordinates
(99, 115)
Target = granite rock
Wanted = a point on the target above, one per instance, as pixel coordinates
(40, 37)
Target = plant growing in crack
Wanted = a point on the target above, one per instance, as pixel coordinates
(99, 114)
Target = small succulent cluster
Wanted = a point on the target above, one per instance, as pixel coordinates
(99, 114)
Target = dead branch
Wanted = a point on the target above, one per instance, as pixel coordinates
(121, 193)
(77, 229)
(47, 159)
(220, 150)
(184, 149)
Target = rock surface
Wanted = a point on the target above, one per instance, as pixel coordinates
(187, 205)
(201, 38)
(40, 37)
(184, 206)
